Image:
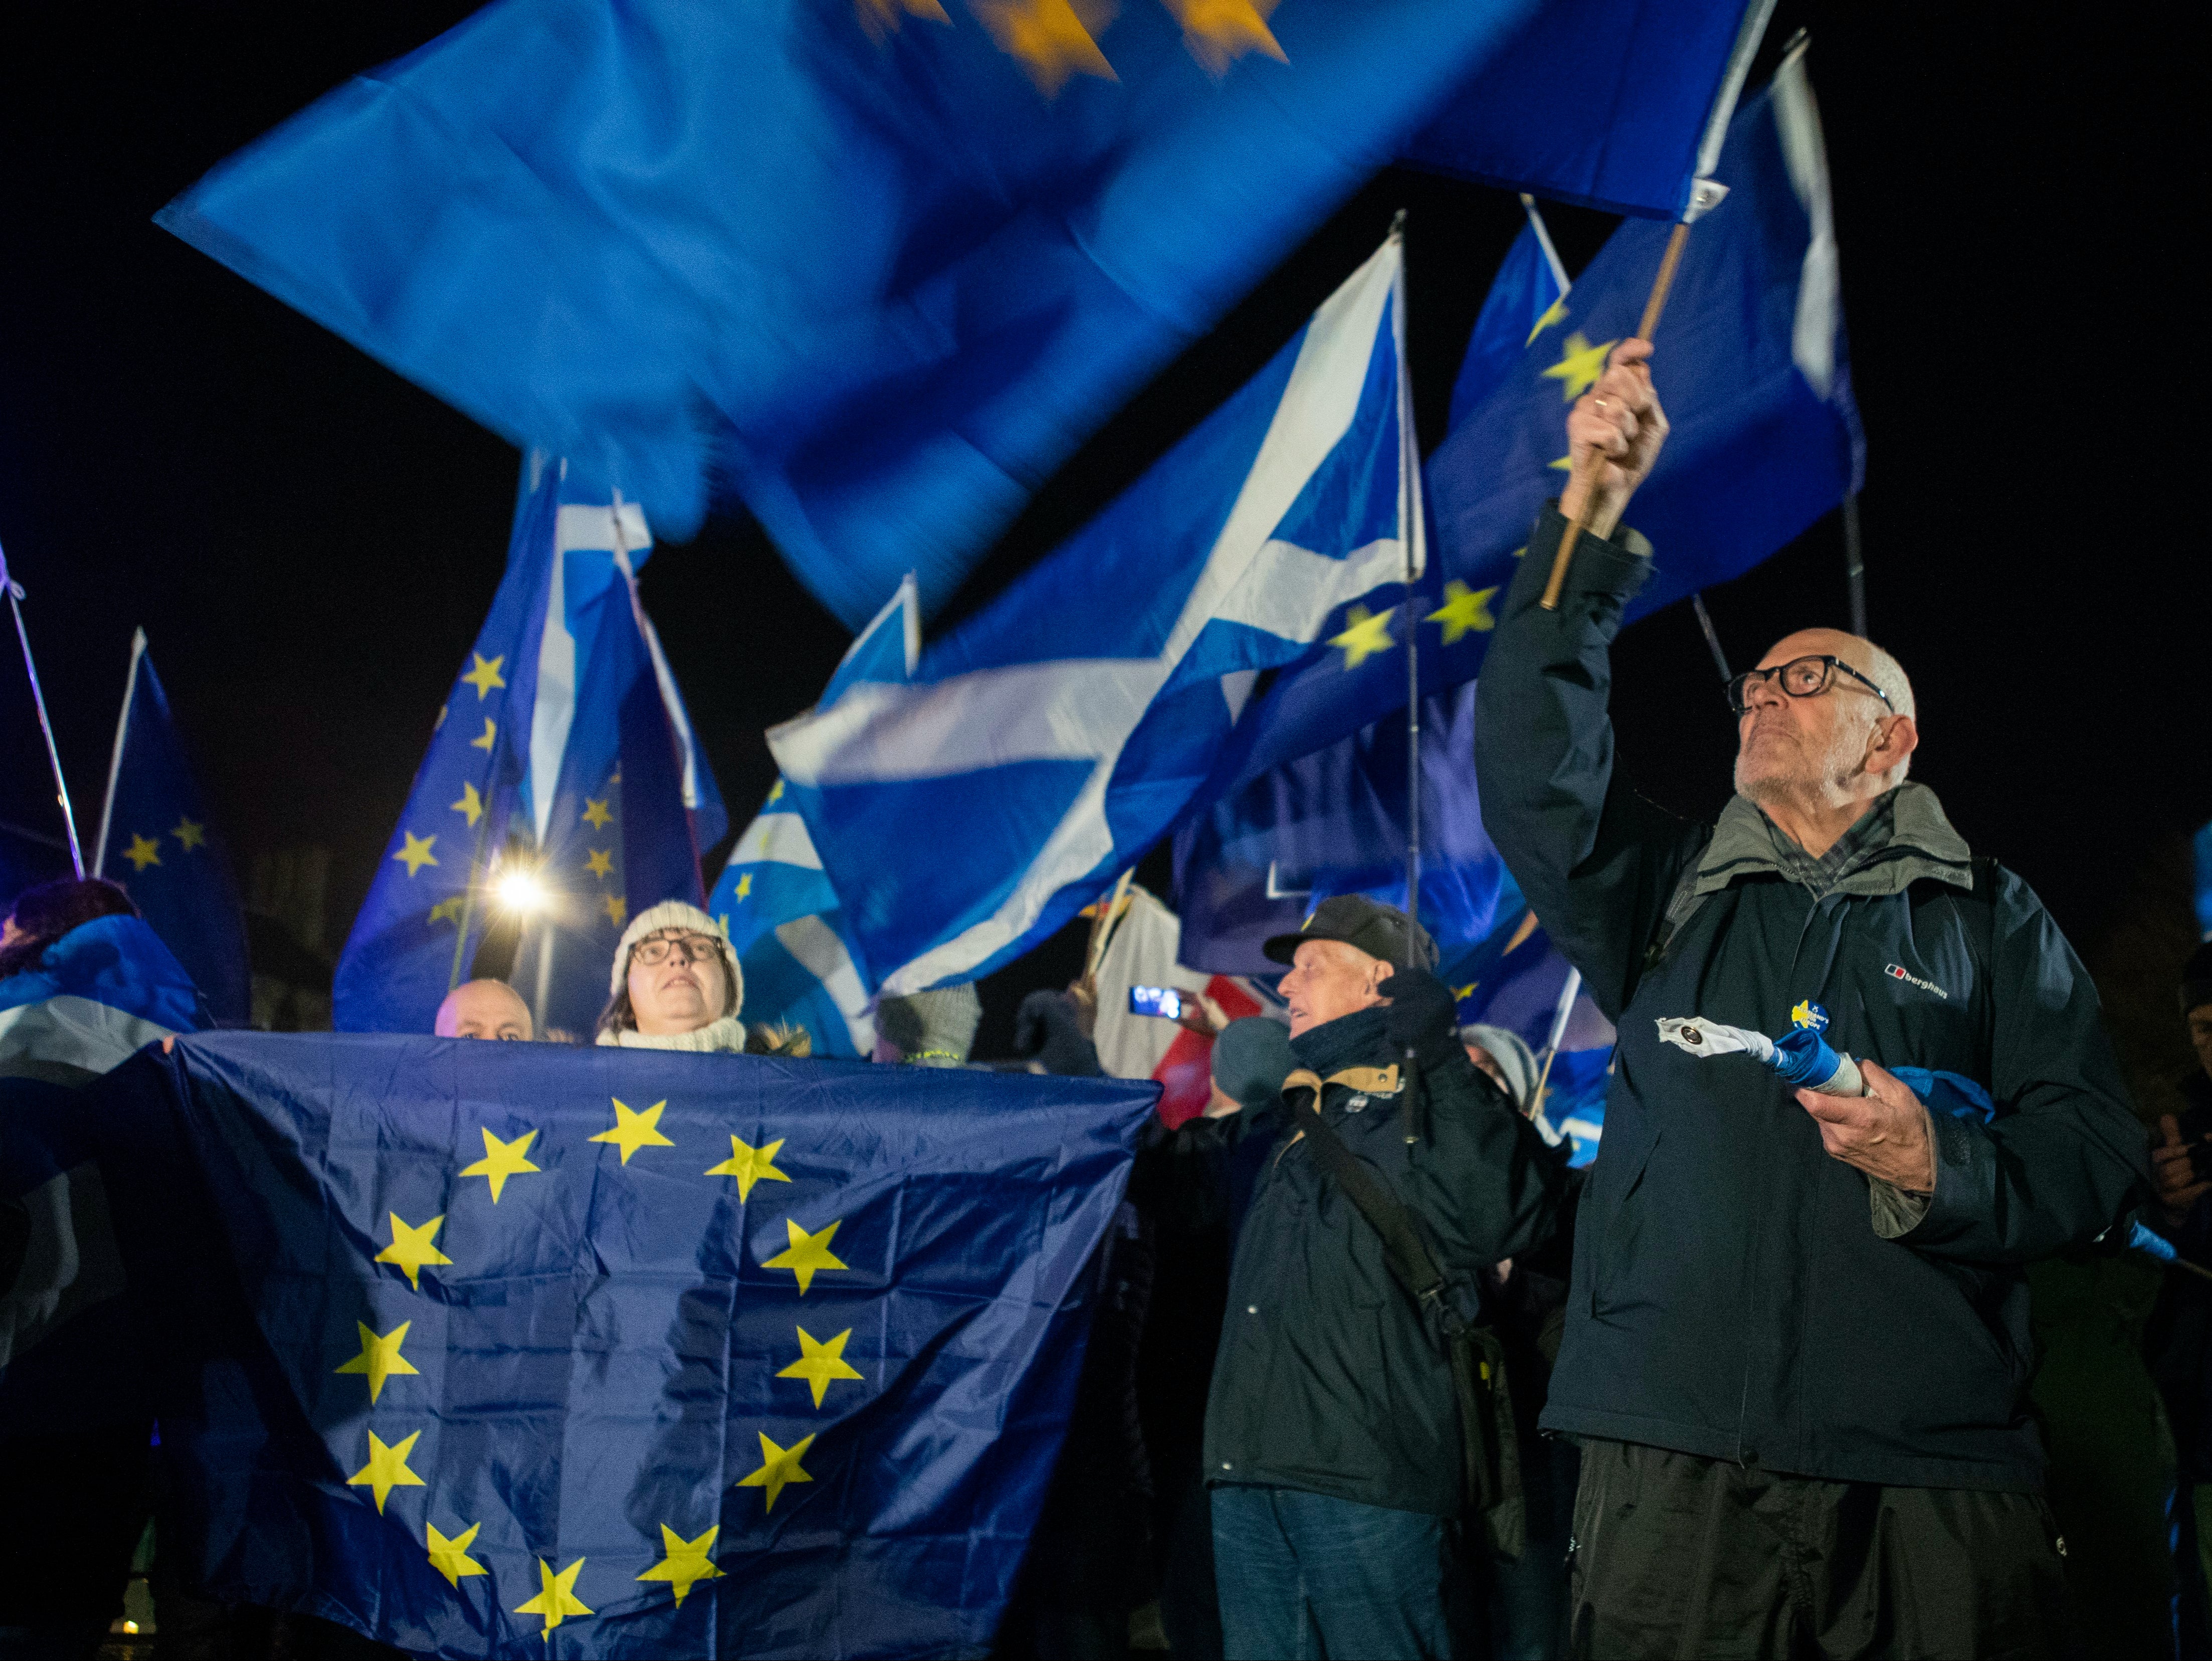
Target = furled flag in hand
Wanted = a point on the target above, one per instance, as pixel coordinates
(1039, 749)
(561, 788)
(157, 840)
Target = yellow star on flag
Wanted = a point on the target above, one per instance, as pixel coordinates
(380, 1357)
(1217, 33)
(417, 854)
(745, 884)
(881, 19)
(411, 1250)
(779, 1468)
(749, 1165)
(1554, 313)
(450, 1557)
(633, 1129)
(142, 852)
(1562, 464)
(818, 1363)
(1461, 994)
(556, 1599)
(190, 833)
(1465, 611)
(502, 1160)
(483, 740)
(484, 676)
(807, 1255)
(1367, 636)
(386, 1469)
(469, 806)
(1053, 41)
(1580, 364)
(596, 813)
(684, 1562)
(450, 910)
(618, 908)
(600, 862)
(776, 791)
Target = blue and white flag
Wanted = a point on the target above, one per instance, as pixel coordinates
(179, 872)
(1057, 734)
(563, 759)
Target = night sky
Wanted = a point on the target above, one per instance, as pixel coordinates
(311, 542)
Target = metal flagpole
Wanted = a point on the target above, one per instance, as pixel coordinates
(1712, 638)
(1854, 567)
(1411, 529)
(38, 697)
(1568, 990)
(115, 760)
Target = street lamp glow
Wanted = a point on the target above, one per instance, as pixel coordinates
(520, 892)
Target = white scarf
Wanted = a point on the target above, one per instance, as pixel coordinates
(727, 1035)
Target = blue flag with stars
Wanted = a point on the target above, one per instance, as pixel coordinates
(885, 264)
(563, 756)
(156, 840)
(518, 1350)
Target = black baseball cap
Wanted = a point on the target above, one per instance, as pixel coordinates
(1377, 929)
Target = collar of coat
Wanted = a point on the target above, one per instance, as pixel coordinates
(1905, 834)
(1367, 1080)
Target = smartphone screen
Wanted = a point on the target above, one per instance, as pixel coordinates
(1164, 1001)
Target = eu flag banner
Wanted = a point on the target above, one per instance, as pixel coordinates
(518, 1350)
(887, 264)
(562, 756)
(1526, 297)
(1752, 366)
(179, 872)
(965, 813)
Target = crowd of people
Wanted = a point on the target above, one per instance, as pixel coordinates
(1373, 1374)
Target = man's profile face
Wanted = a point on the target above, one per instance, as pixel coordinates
(1796, 746)
(483, 1009)
(2200, 1035)
(1327, 979)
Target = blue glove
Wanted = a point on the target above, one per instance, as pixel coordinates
(1424, 1015)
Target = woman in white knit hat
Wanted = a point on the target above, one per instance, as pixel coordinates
(676, 984)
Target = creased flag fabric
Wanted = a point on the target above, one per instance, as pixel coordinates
(1048, 741)
(1751, 369)
(564, 750)
(157, 840)
(527, 1350)
(884, 264)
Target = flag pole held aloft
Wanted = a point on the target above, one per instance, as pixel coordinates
(45, 726)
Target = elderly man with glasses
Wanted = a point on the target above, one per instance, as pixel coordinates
(1796, 1345)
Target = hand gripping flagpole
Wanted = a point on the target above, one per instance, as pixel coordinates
(38, 697)
(1705, 193)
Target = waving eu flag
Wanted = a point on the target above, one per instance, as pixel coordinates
(520, 1350)
(562, 757)
(179, 873)
(967, 811)
(887, 263)
(1528, 297)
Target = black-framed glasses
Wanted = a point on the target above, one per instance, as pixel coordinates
(696, 948)
(1801, 677)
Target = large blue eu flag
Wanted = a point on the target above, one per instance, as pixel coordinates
(179, 870)
(518, 1350)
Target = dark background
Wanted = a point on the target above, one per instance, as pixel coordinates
(312, 542)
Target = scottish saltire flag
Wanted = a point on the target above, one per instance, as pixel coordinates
(525, 1350)
(563, 754)
(1039, 749)
(1255, 863)
(884, 264)
(1752, 368)
(1526, 297)
(157, 839)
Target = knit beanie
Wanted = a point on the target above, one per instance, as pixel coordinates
(934, 1028)
(1514, 1058)
(676, 914)
(1251, 1059)
(2196, 979)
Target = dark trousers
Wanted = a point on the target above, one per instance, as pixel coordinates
(1304, 1577)
(1676, 1555)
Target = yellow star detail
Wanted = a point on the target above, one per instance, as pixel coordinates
(469, 806)
(1365, 637)
(450, 910)
(483, 740)
(776, 792)
(597, 814)
(484, 676)
(142, 852)
(601, 862)
(1219, 32)
(618, 908)
(556, 1599)
(685, 1561)
(1465, 611)
(1802, 1014)
(386, 1469)
(779, 1468)
(633, 1130)
(502, 1160)
(881, 19)
(1562, 464)
(380, 1357)
(450, 1557)
(745, 884)
(1050, 38)
(411, 1250)
(818, 1363)
(1580, 364)
(1554, 313)
(807, 1255)
(749, 1165)
(1461, 994)
(417, 854)
(189, 833)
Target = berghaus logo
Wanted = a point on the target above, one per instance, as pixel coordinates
(1897, 973)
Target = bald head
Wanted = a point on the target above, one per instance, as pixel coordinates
(1824, 753)
(483, 1009)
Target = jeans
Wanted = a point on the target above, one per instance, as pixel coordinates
(1304, 1577)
